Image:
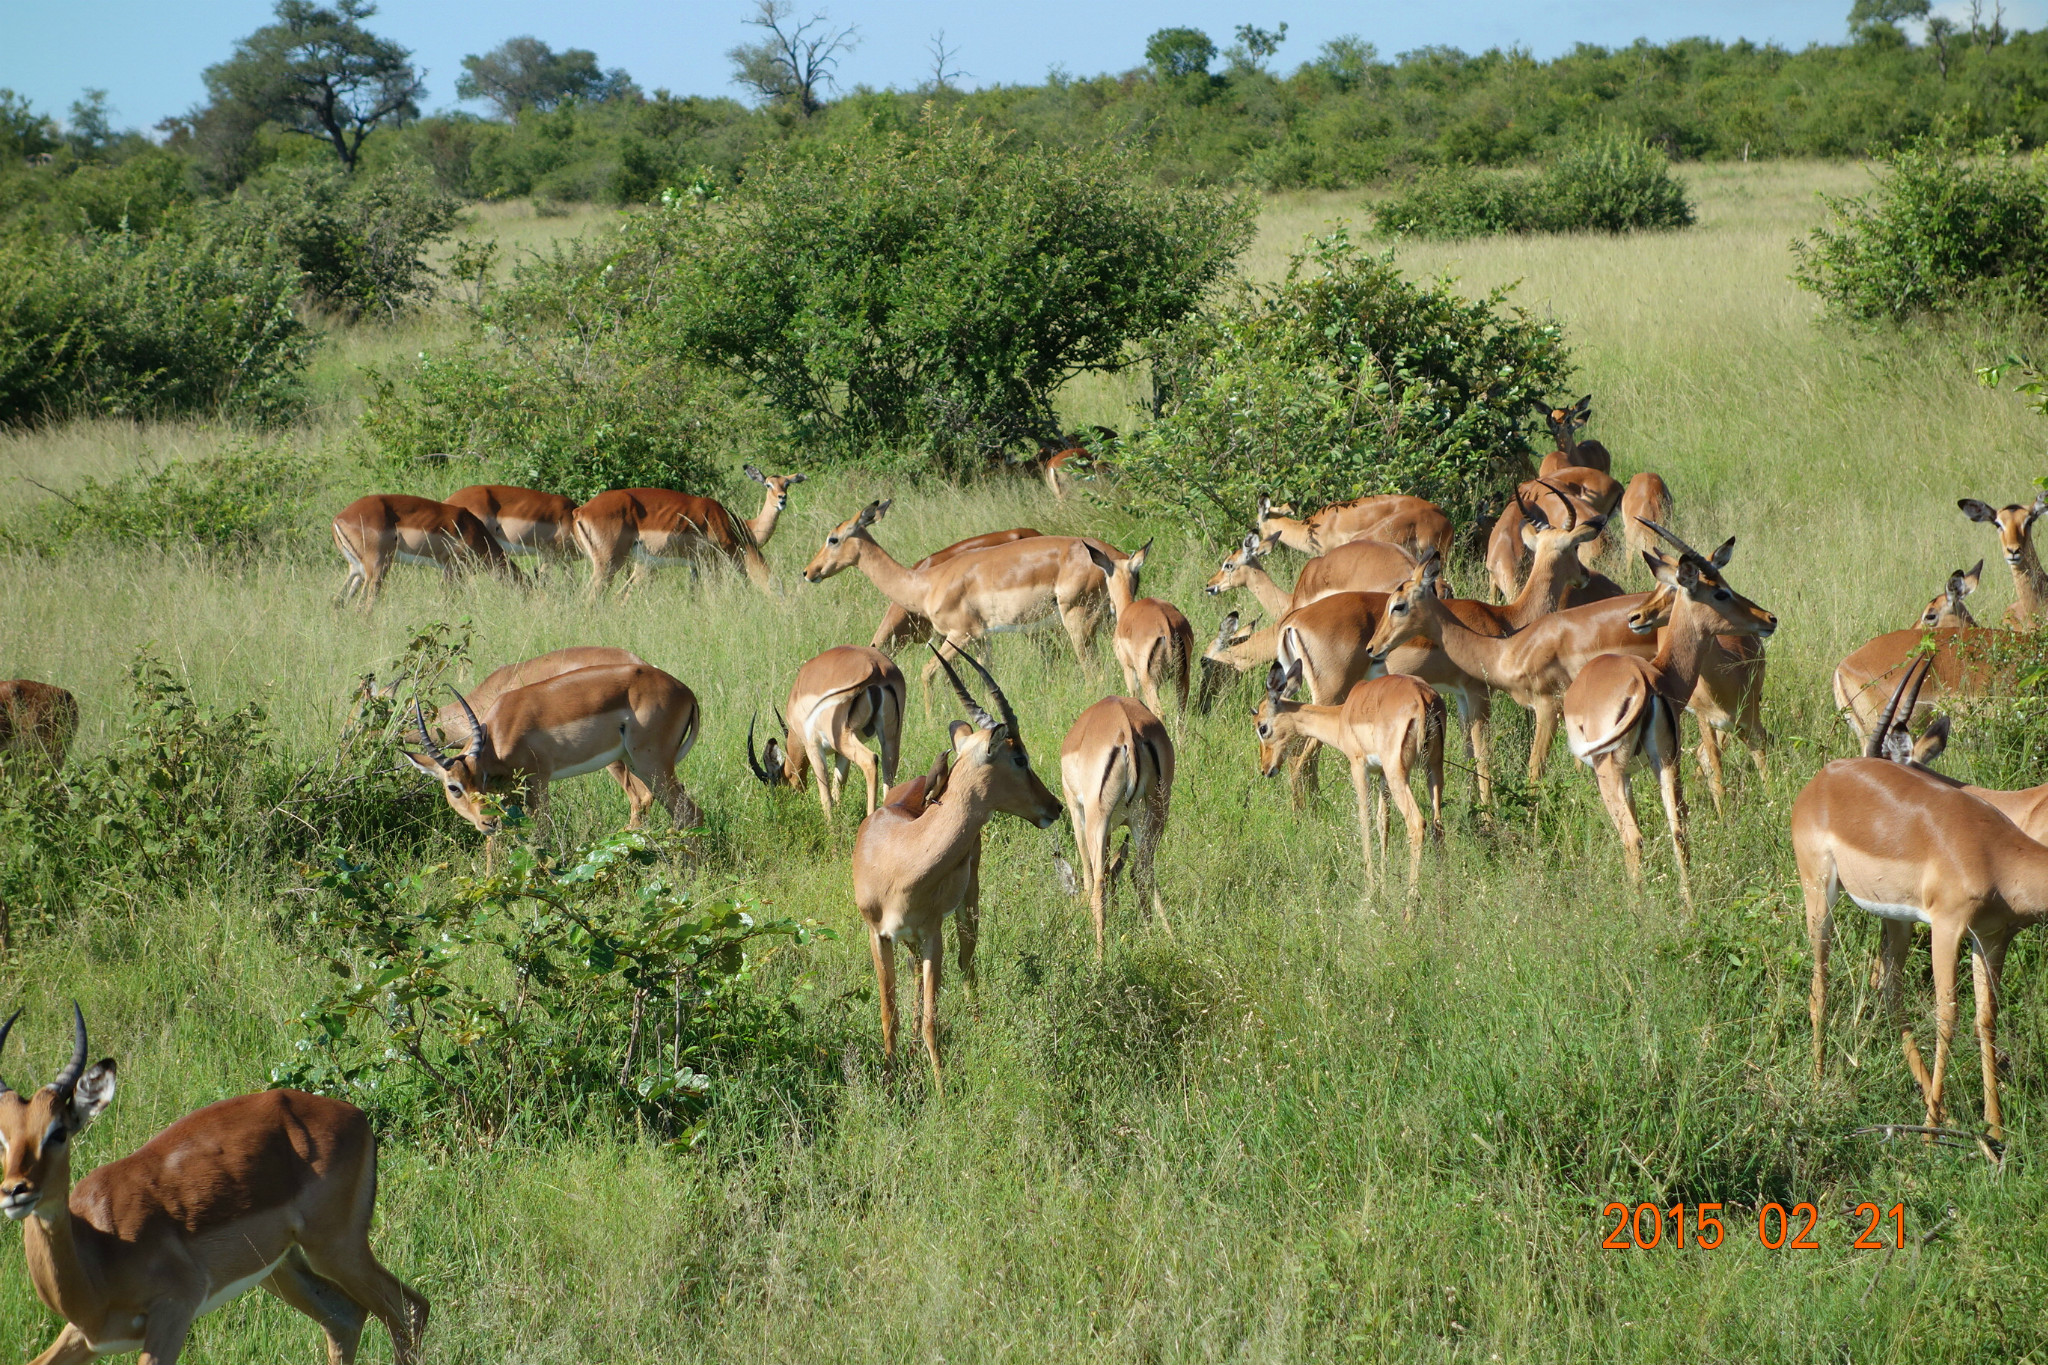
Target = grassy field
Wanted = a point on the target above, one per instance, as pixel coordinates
(1302, 1128)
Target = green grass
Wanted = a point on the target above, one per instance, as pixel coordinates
(1303, 1128)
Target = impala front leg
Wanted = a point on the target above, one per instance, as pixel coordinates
(884, 953)
(70, 1348)
(1946, 945)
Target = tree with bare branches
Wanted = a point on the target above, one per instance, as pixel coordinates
(794, 62)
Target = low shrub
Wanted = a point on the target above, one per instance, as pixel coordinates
(1343, 379)
(1608, 183)
(1948, 229)
(227, 504)
(360, 241)
(197, 319)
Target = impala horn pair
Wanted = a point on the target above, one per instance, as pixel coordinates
(67, 1079)
(477, 733)
(766, 772)
(1892, 736)
(982, 720)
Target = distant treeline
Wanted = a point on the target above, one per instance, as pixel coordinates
(1343, 119)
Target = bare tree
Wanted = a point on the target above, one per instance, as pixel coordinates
(794, 62)
(1939, 31)
(1992, 34)
(942, 56)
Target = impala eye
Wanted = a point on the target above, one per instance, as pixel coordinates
(455, 789)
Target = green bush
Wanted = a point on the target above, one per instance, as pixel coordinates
(588, 989)
(1608, 183)
(359, 240)
(234, 503)
(1343, 379)
(197, 319)
(1947, 229)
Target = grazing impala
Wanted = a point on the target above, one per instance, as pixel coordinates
(918, 862)
(2015, 527)
(1911, 848)
(2026, 807)
(1390, 724)
(1966, 661)
(1116, 769)
(1621, 710)
(657, 528)
(37, 721)
(901, 626)
(275, 1189)
(1413, 524)
(524, 521)
(375, 532)
(566, 726)
(979, 592)
(1153, 642)
(841, 697)
(1571, 452)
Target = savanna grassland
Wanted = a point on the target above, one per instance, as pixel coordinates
(1302, 1127)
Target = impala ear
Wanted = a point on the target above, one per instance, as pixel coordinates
(1976, 510)
(795, 479)
(1100, 560)
(1933, 740)
(1276, 680)
(424, 764)
(1963, 584)
(1137, 561)
(959, 733)
(1721, 556)
(93, 1093)
(756, 475)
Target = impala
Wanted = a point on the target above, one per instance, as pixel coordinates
(656, 528)
(844, 696)
(375, 532)
(1414, 524)
(1357, 566)
(917, 862)
(1948, 609)
(1966, 661)
(1910, 848)
(1153, 642)
(1116, 769)
(275, 1189)
(524, 521)
(1563, 495)
(37, 721)
(1646, 499)
(1389, 724)
(565, 726)
(1571, 452)
(2015, 527)
(901, 626)
(1621, 710)
(1233, 651)
(978, 592)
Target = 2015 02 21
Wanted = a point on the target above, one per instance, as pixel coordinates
(1640, 1227)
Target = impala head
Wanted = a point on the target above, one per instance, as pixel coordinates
(1539, 536)
(1272, 731)
(1948, 609)
(841, 549)
(1565, 422)
(1235, 570)
(1271, 512)
(1121, 578)
(36, 1131)
(777, 763)
(1892, 736)
(462, 781)
(1408, 612)
(778, 485)
(993, 753)
(2014, 522)
(1697, 578)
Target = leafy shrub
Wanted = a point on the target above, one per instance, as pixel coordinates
(1608, 183)
(1946, 229)
(585, 989)
(197, 319)
(359, 240)
(1342, 379)
(232, 503)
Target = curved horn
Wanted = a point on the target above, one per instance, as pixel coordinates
(752, 761)
(68, 1077)
(1873, 745)
(1002, 702)
(778, 718)
(433, 750)
(6, 1029)
(1905, 720)
(1532, 513)
(477, 733)
(1571, 510)
(982, 719)
(1683, 547)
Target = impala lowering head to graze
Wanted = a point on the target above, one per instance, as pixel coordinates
(1912, 848)
(1571, 452)
(1241, 569)
(376, 532)
(1964, 661)
(658, 528)
(1116, 769)
(37, 721)
(1154, 643)
(523, 521)
(915, 865)
(844, 696)
(275, 1189)
(2015, 527)
(1622, 710)
(979, 592)
(566, 726)
(1390, 724)
(1416, 525)
(901, 626)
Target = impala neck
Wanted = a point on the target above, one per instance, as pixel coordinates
(2030, 584)
(1310, 721)
(1293, 534)
(1550, 578)
(1682, 647)
(1275, 599)
(904, 587)
(763, 526)
(1480, 656)
(61, 1278)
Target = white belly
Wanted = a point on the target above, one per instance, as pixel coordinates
(1907, 914)
(603, 759)
(408, 557)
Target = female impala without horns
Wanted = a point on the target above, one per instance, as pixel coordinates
(376, 532)
(656, 528)
(843, 696)
(1116, 769)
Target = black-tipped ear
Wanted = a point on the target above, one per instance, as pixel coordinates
(93, 1092)
(1721, 556)
(1976, 510)
(1100, 561)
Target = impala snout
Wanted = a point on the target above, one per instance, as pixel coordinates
(18, 1199)
(1770, 625)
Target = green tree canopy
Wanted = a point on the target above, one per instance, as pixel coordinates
(319, 72)
(1180, 53)
(1865, 16)
(23, 132)
(525, 73)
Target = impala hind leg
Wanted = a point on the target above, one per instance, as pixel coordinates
(1418, 829)
(1895, 941)
(1710, 761)
(967, 920)
(884, 953)
(356, 1271)
(70, 1348)
(1946, 945)
(322, 1300)
(1611, 772)
(1987, 968)
(1547, 711)
(931, 964)
(1081, 619)
(1665, 757)
(863, 758)
(1820, 935)
(1146, 832)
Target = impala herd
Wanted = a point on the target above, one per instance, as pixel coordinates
(277, 1189)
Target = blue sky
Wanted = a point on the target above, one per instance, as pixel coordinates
(148, 53)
